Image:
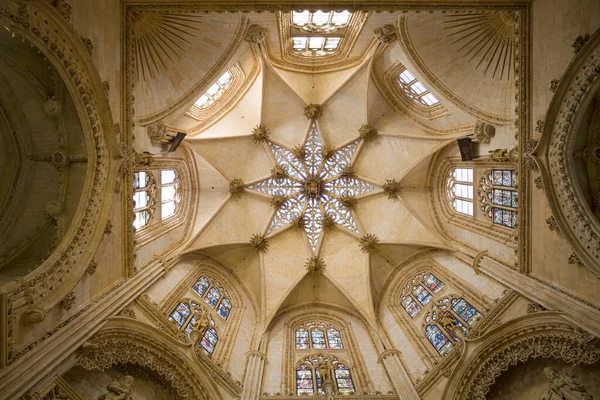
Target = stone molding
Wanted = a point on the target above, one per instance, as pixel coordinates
(48, 31)
(574, 217)
(532, 336)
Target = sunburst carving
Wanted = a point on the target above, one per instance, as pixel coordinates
(487, 39)
(159, 39)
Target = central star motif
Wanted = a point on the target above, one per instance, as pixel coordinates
(314, 186)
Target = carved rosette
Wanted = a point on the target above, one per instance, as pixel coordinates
(313, 111)
(392, 188)
(52, 107)
(278, 201)
(368, 133)
(299, 152)
(259, 242)
(260, 133)
(315, 265)
(369, 243)
(236, 188)
(278, 172)
(54, 209)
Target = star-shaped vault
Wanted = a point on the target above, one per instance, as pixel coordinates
(321, 171)
(315, 185)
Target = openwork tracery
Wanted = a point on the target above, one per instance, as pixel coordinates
(318, 335)
(498, 196)
(144, 197)
(419, 291)
(189, 316)
(314, 370)
(314, 186)
(448, 320)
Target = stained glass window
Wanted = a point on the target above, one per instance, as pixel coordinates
(437, 339)
(190, 325)
(334, 338)
(224, 308)
(304, 380)
(212, 298)
(411, 306)
(201, 285)
(499, 197)
(421, 294)
(318, 339)
(433, 283)
(302, 339)
(180, 314)
(465, 311)
(169, 196)
(143, 190)
(209, 340)
(459, 190)
(344, 380)
(415, 90)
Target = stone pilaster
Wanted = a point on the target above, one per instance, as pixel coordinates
(398, 375)
(255, 366)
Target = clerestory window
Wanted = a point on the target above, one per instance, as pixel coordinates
(143, 198)
(459, 190)
(415, 90)
(318, 33)
(215, 91)
(498, 196)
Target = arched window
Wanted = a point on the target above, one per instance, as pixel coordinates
(448, 321)
(499, 197)
(169, 196)
(322, 336)
(419, 291)
(215, 91)
(319, 32)
(415, 90)
(214, 295)
(144, 197)
(189, 315)
(459, 189)
(312, 370)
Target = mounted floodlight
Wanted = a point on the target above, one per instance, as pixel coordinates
(176, 141)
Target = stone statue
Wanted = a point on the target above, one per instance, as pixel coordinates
(144, 158)
(498, 154)
(564, 387)
(118, 390)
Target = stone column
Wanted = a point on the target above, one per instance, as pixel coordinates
(398, 375)
(255, 366)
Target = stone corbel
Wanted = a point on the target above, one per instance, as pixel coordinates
(157, 133)
(34, 315)
(385, 34)
(484, 132)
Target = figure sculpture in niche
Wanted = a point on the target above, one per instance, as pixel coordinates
(564, 387)
(119, 390)
(498, 155)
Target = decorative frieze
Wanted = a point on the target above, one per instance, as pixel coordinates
(68, 301)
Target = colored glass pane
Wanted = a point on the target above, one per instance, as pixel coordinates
(213, 297)
(190, 325)
(433, 283)
(209, 340)
(467, 312)
(224, 308)
(180, 314)
(302, 339)
(334, 338)
(411, 306)
(201, 285)
(421, 294)
(437, 339)
(304, 380)
(318, 339)
(344, 380)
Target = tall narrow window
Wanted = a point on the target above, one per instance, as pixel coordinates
(209, 340)
(216, 297)
(498, 196)
(415, 90)
(318, 339)
(143, 197)
(302, 339)
(181, 314)
(168, 192)
(344, 379)
(459, 189)
(419, 292)
(304, 380)
(465, 311)
(322, 336)
(438, 340)
(334, 338)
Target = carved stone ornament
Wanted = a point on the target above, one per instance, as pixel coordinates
(108, 227)
(513, 155)
(300, 222)
(348, 201)
(499, 155)
(385, 34)
(157, 132)
(54, 209)
(539, 184)
(592, 153)
(299, 151)
(63, 8)
(278, 172)
(118, 390)
(91, 269)
(67, 303)
(143, 159)
(579, 42)
(236, 188)
(87, 43)
(574, 259)
(128, 313)
(315, 265)
(259, 242)
(392, 188)
(59, 160)
(348, 172)
(328, 222)
(554, 85)
(313, 111)
(327, 152)
(278, 201)
(368, 133)
(534, 307)
(260, 133)
(484, 132)
(256, 34)
(106, 87)
(369, 243)
(52, 107)
(539, 125)
(563, 387)
(552, 224)
(530, 163)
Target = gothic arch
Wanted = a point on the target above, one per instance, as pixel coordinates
(544, 334)
(392, 295)
(564, 118)
(46, 29)
(124, 340)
